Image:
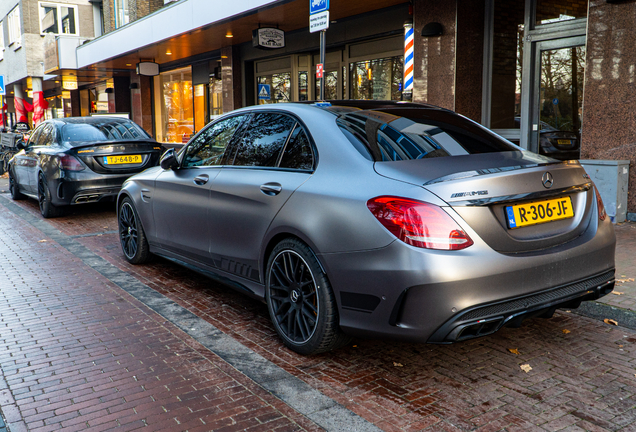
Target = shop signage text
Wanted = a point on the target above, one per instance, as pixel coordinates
(318, 22)
(69, 85)
(268, 38)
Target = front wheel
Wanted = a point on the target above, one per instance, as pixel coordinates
(131, 234)
(300, 301)
(47, 208)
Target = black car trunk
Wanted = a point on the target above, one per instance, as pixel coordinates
(118, 157)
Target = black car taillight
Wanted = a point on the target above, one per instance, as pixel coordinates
(419, 223)
(69, 163)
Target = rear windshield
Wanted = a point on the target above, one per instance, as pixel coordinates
(395, 134)
(103, 131)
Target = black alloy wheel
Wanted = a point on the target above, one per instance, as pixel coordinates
(131, 234)
(300, 301)
(47, 208)
(13, 187)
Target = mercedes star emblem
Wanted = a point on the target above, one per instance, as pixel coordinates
(547, 180)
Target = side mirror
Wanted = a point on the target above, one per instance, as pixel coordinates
(169, 160)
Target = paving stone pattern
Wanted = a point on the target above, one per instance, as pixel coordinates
(582, 376)
(77, 352)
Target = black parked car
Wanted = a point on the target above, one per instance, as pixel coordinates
(79, 160)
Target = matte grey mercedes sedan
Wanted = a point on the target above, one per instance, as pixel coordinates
(374, 219)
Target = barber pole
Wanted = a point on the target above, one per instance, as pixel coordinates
(408, 57)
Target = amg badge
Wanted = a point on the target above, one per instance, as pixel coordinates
(469, 194)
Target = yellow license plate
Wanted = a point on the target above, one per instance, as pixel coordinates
(564, 142)
(539, 212)
(125, 159)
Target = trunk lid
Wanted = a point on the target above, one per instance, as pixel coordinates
(121, 157)
(481, 188)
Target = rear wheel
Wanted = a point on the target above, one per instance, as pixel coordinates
(131, 234)
(13, 187)
(300, 301)
(47, 208)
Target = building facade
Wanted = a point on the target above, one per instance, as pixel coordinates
(542, 73)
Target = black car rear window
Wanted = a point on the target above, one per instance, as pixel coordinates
(103, 131)
(394, 134)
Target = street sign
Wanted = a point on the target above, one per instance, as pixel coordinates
(3, 90)
(319, 70)
(555, 101)
(316, 6)
(318, 22)
(264, 92)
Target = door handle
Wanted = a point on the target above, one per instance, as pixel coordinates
(271, 188)
(201, 179)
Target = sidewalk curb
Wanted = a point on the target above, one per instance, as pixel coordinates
(293, 391)
(624, 317)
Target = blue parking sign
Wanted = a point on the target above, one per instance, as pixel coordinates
(3, 90)
(317, 6)
(264, 92)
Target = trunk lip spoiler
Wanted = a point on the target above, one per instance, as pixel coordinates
(479, 172)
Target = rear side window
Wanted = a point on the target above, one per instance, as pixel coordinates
(298, 154)
(208, 148)
(106, 130)
(402, 134)
(263, 140)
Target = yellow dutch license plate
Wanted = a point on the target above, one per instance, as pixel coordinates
(539, 212)
(564, 142)
(124, 159)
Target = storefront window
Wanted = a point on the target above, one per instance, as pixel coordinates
(379, 79)
(199, 107)
(551, 11)
(507, 65)
(176, 104)
(216, 97)
(280, 87)
(303, 86)
(331, 85)
(99, 99)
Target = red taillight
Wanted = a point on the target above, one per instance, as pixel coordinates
(418, 223)
(70, 163)
(599, 205)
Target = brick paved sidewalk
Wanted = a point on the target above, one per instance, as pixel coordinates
(582, 375)
(77, 352)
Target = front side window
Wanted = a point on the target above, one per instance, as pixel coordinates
(15, 26)
(122, 16)
(46, 136)
(264, 139)
(208, 147)
(58, 19)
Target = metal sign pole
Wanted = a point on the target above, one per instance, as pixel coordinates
(323, 43)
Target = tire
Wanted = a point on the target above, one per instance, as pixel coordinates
(16, 195)
(132, 237)
(300, 300)
(47, 208)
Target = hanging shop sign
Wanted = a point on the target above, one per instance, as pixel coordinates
(148, 68)
(268, 38)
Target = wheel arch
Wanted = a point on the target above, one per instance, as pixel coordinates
(279, 236)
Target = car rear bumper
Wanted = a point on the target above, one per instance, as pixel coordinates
(66, 191)
(410, 294)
